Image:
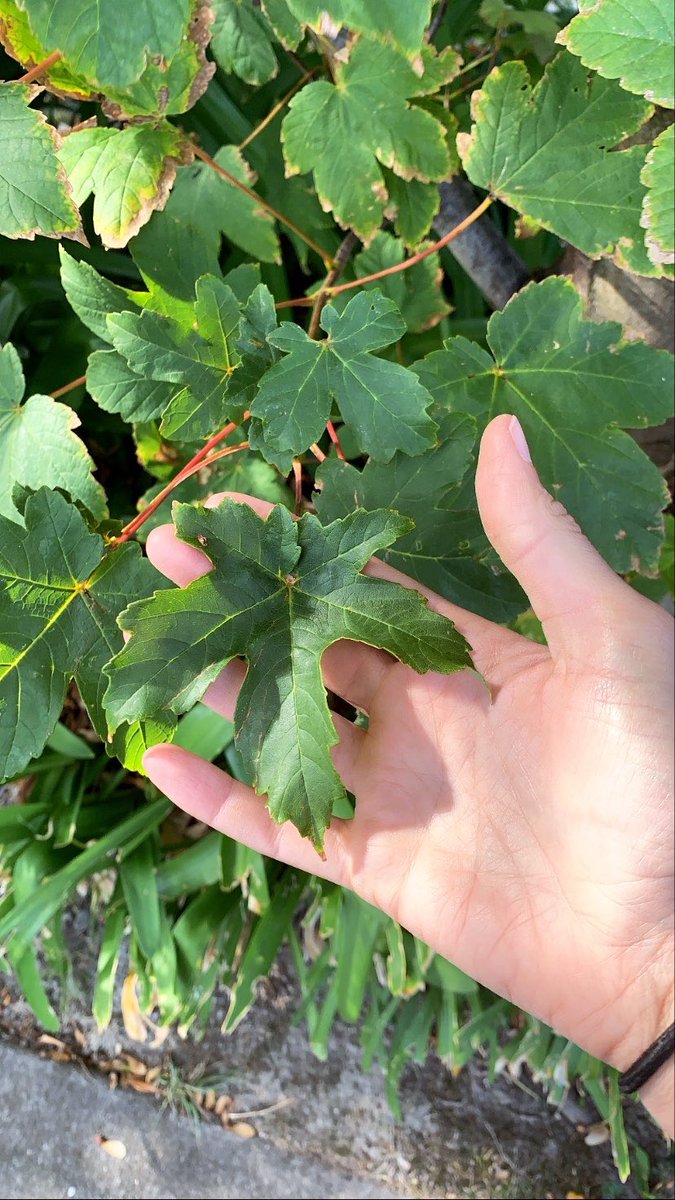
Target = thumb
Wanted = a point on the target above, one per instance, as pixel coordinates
(569, 585)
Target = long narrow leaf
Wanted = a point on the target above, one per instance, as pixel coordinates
(26, 919)
(262, 949)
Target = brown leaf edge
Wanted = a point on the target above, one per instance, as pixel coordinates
(77, 233)
(199, 32)
(157, 202)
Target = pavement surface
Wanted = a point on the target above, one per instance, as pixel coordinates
(51, 1117)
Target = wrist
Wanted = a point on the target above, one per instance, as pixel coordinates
(658, 1097)
(648, 1009)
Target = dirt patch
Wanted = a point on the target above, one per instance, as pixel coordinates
(459, 1137)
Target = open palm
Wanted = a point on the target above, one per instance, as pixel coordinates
(524, 832)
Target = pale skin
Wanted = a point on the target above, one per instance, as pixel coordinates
(525, 832)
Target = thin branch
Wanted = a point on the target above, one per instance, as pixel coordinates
(299, 302)
(297, 474)
(215, 441)
(472, 83)
(332, 433)
(68, 387)
(277, 108)
(475, 62)
(39, 68)
(191, 468)
(279, 216)
(342, 257)
(437, 20)
(416, 258)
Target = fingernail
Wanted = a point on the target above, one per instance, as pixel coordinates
(519, 440)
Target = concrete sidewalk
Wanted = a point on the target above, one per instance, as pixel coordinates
(51, 1116)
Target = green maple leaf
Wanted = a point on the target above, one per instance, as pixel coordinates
(416, 292)
(110, 380)
(35, 196)
(59, 601)
(38, 445)
(347, 131)
(108, 46)
(447, 548)
(130, 171)
(169, 85)
(287, 29)
(21, 43)
(631, 42)
(412, 206)
(166, 86)
(92, 296)
(548, 152)
(117, 388)
(401, 23)
(658, 210)
(572, 384)
(201, 359)
(218, 209)
(280, 593)
(382, 401)
(242, 41)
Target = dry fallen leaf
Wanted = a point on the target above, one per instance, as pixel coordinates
(80, 1038)
(242, 1129)
(153, 1074)
(132, 1016)
(161, 1034)
(112, 1146)
(46, 1039)
(223, 1105)
(209, 1100)
(134, 1065)
(574, 1196)
(597, 1134)
(141, 1085)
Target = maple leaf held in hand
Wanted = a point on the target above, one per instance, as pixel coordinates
(280, 593)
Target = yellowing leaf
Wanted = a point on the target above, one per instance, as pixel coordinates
(134, 1021)
(112, 1147)
(658, 210)
(549, 152)
(35, 196)
(130, 171)
(109, 45)
(628, 40)
(347, 131)
(39, 446)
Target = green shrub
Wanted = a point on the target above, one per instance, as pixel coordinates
(212, 185)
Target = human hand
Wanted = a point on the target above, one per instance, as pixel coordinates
(526, 835)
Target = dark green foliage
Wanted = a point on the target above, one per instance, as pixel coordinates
(205, 218)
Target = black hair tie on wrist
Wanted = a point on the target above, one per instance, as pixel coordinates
(648, 1063)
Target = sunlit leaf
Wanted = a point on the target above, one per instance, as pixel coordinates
(38, 445)
(34, 193)
(280, 594)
